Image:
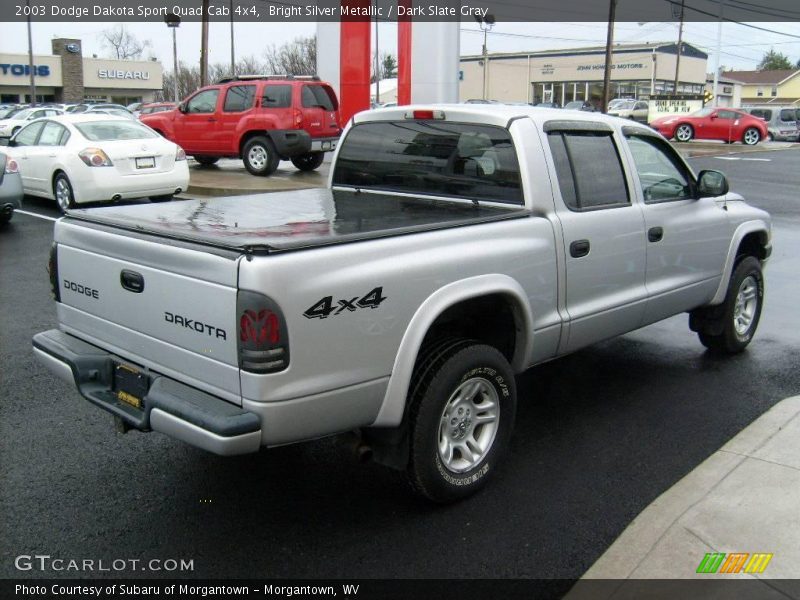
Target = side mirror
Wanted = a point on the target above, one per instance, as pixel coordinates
(711, 184)
(182, 107)
(714, 116)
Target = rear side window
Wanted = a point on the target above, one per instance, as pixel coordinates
(476, 162)
(788, 114)
(762, 113)
(317, 96)
(239, 98)
(589, 170)
(276, 96)
(53, 134)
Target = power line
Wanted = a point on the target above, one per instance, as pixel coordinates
(705, 12)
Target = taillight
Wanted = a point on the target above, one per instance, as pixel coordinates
(12, 166)
(180, 154)
(263, 339)
(52, 269)
(425, 115)
(298, 117)
(95, 157)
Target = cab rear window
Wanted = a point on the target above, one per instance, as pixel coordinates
(476, 162)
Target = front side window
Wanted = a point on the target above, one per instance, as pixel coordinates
(204, 102)
(660, 172)
(589, 170)
(27, 135)
(431, 158)
(239, 98)
(727, 114)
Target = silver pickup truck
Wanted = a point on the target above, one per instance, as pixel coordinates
(455, 247)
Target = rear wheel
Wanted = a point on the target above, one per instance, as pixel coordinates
(770, 137)
(308, 162)
(751, 136)
(260, 156)
(206, 161)
(461, 415)
(684, 133)
(729, 327)
(62, 190)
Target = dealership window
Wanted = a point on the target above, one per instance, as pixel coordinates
(589, 170)
(277, 96)
(239, 98)
(203, 102)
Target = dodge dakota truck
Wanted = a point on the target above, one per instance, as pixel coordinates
(454, 247)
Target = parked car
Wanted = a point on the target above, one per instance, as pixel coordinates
(636, 110)
(583, 105)
(135, 106)
(10, 188)
(612, 104)
(724, 124)
(112, 111)
(403, 300)
(75, 159)
(261, 120)
(548, 105)
(89, 106)
(7, 111)
(783, 122)
(11, 125)
(155, 107)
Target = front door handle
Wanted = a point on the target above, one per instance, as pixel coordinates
(579, 248)
(211, 119)
(655, 234)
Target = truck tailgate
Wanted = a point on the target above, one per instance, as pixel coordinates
(159, 305)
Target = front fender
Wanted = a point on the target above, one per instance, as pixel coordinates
(753, 226)
(394, 401)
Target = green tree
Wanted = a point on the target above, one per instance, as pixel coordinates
(388, 66)
(773, 61)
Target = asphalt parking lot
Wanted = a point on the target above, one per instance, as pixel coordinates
(600, 434)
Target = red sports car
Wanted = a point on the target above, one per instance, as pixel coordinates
(724, 124)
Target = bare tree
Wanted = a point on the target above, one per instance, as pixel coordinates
(122, 44)
(298, 57)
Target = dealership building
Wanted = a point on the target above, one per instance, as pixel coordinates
(562, 76)
(68, 76)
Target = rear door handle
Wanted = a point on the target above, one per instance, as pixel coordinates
(579, 248)
(655, 234)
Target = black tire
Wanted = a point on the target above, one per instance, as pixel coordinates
(751, 136)
(260, 157)
(62, 190)
(717, 328)
(770, 137)
(308, 162)
(684, 137)
(206, 161)
(5, 219)
(437, 379)
(164, 198)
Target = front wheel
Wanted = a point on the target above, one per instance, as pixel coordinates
(260, 156)
(684, 133)
(751, 136)
(730, 327)
(62, 189)
(461, 417)
(308, 162)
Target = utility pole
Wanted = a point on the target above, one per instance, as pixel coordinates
(680, 45)
(377, 60)
(204, 46)
(719, 49)
(31, 66)
(173, 21)
(612, 9)
(486, 23)
(233, 54)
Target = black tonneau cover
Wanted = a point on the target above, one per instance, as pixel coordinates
(267, 223)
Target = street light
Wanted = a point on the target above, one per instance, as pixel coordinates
(486, 23)
(30, 58)
(173, 21)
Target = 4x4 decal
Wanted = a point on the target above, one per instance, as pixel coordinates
(325, 307)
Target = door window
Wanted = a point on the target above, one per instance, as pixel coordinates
(239, 98)
(204, 102)
(661, 174)
(727, 114)
(27, 135)
(589, 170)
(53, 134)
(276, 96)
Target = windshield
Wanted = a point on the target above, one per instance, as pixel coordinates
(703, 112)
(23, 114)
(102, 131)
(431, 158)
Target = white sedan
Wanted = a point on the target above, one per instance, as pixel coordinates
(75, 159)
(19, 119)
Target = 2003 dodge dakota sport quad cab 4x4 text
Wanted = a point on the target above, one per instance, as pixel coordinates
(456, 246)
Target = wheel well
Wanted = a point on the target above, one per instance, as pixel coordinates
(56, 173)
(249, 135)
(488, 319)
(753, 244)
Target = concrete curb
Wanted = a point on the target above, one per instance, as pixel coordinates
(711, 508)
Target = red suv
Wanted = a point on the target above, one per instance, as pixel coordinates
(261, 120)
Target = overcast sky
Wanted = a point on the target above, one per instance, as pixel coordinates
(742, 47)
